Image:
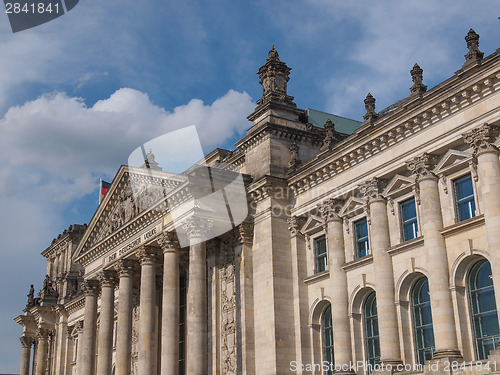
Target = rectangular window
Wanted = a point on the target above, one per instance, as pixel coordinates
(320, 254)
(409, 219)
(464, 198)
(361, 238)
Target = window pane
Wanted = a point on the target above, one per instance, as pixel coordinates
(409, 219)
(371, 330)
(328, 338)
(320, 254)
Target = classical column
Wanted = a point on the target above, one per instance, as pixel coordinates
(79, 328)
(25, 355)
(196, 359)
(91, 291)
(125, 270)
(488, 169)
(147, 258)
(61, 337)
(42, 351)
(383, 271)
(107, 280)
(431, 223)
(170, 304)
(338, 281)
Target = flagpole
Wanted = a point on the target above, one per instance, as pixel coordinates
(100, 190)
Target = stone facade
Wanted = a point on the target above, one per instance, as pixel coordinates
(378, 248)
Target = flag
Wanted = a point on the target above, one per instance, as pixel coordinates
(103, 189)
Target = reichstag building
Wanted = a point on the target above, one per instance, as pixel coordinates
(365, 247)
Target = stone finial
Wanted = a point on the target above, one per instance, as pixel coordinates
(417, 78)
(294, 156)
(482, 138)
(150, 162)
(474, 53)
(329, 134)
(330, 209)
(274, 75)
(422, 166)
(370, 114)
(372, 189)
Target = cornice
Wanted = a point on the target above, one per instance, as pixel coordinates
(417, 114)
(266, 187)
(463, 225)
(75, 304)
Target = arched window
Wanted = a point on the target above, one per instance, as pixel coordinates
(327, 328)
(371, 330)
(484, 311)
(422, 316)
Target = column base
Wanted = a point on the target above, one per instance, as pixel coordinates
(388, 367)
(444, 364)
(494, 361)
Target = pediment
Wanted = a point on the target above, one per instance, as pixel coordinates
(352, 207)
(398, 185)
(452, 161)
(132, 192)
(313, 224)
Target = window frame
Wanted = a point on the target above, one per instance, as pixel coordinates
(324, 347)
(453, 178)
(414, 321)
(400, 203)
(355, 221)
(314, 239)
(365, 330)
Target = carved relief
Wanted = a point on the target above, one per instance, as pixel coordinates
(482, 139)
(228, 310)
(422, 166)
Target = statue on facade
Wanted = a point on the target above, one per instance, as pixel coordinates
(31, 296)
(294, 156)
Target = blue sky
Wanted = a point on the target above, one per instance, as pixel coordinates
(80, 93)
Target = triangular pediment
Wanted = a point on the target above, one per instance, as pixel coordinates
(452, 161)
(399, 184)
(352, 207)
(133, 192)
(313, 224)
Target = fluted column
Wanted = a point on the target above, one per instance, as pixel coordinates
(61, 337)
(26, 343)
(147, 259)
(383, 270)
(196, 359)
(170, 304)
(91, 290)
(42, 351)
(338, 280)
(488, 168)
(125, 270)
(431, 222)
(107, 280)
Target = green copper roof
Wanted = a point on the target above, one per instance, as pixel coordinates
(342, 124)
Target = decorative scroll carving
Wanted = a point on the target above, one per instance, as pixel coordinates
(370, 114)
(295, 223)
(417, 78)
(197, 227)
(125, 268)
(422, 166)
(330, 209)
(245, 233)
(107, 278)
(169, 242)
(474, 54)
(26, 342)
(372, 189)
(147, 255)
(90, 287)
(228, 310)
(482, 139)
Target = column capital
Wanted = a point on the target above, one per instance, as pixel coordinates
(372, 189)
(482, 139)
(330, 209)
(107, 278)
(90, 287)
(295, 223)
(197, 227)
(42, 333)
(168, 242)
(421, 166)
(147, 255)
(125, 268)
(244, 233)
(26, 341)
